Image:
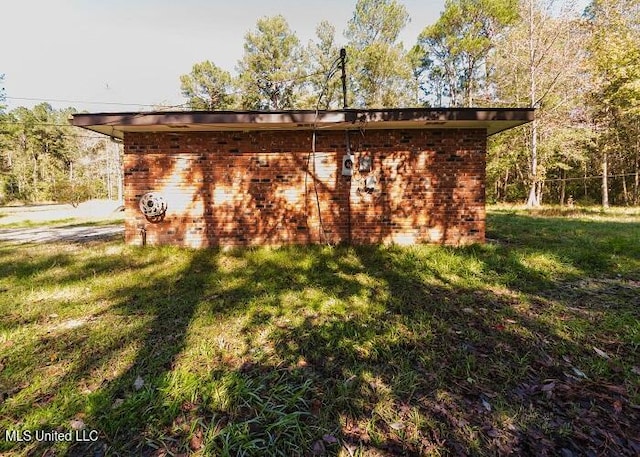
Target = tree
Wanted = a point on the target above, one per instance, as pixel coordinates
(43, 158)
(207, 87)
(272, 66)
(4, 131)
(537, 62)
(41, 152)
(323, 62)
(458, 44)
(379, 68)
(614, 65)
(419, 64)
(3, 95)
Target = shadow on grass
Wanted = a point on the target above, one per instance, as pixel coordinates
(420, 375)
(310, 350)
(596, 248)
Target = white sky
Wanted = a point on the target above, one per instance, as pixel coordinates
(133, 51)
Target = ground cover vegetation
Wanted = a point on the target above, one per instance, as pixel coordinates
(579, 68)
(527, 345)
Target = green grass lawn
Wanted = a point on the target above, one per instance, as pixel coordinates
(528, 344)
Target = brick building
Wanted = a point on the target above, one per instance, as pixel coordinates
(352, 176)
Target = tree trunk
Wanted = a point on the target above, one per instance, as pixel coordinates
(470, 83)
(605, 180)
(533, 200)
(506, 186)
(34, 178)
(540, 189)
(563, 187)
(636, 182)
(119, 172)
(107, 173)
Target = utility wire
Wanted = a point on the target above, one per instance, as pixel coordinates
(154, 105)
(332, 70)
(85, 102)
(36, 124)
(582, 178)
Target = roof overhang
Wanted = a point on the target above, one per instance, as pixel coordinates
(493, 120)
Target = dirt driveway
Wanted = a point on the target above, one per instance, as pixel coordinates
(72, 234)
(75, 224)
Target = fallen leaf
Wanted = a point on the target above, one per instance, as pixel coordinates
(548, 387)
(117, 403)
(318, 448)
(187, 406)
(486, 405)
(315, 406)
(195, 443)
(492, 432)
(246, 366)
(397, 426)
(351, 449)
(622, 390)
(467, 310)
(329, 439)
(635, 370)
(405, 408)
(617, 406)
(601, 353)
(578, 372)
(77, 424)
(138, 383)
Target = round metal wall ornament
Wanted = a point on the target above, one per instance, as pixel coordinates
(153, 205)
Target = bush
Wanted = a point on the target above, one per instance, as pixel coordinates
(72, 193)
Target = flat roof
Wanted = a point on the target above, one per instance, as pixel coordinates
(494, 120)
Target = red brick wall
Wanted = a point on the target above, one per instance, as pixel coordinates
(248, 188)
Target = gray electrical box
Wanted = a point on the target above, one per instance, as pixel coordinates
(365, 163)
(347, 164)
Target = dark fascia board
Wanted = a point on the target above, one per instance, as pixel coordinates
(492, 119)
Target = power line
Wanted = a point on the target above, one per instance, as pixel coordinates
(86, 102)
(156, 105)
(97, 136)
(36, 124)
(582, 178)
(239, 91)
